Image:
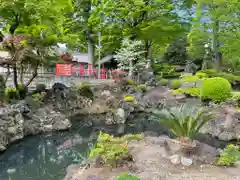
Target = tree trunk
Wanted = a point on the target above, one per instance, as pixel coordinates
(215, 45)
(90, 50)
(130, 73)
(147, 47)
(15, 77)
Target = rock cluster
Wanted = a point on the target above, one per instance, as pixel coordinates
(18, 120)
(226, 125)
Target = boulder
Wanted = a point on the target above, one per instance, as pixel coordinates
(17, 121)
(226, 125)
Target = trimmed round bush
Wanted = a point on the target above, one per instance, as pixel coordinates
(175, 84)
(163, 82)
(216, 89)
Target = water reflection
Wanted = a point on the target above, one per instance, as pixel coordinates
(44, 157)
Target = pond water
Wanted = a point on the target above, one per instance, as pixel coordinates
(46, 157)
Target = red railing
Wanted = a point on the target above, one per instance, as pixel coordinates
(80, 71)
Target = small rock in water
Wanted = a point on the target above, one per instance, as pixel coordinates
(93, 178)
(175, 159)
(186, 161)
(9, 171)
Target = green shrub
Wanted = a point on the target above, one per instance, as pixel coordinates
(171, 75)
(193, 91)
(184, 121)
(175, 84)
(85, 90)
(130, 82)
(142, 87)
(11, 94)
(129, 98)
(230, 156)
(201, 75)
(208, 71)
(41, 88)
(188, 78)
(36, 97)
(216, 89)
(113, 150)
(235, 96)
(228, 76)
(163, 82)
(178, 91)
(22, 91)
(126, 176)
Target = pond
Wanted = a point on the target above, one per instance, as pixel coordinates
(46, 157)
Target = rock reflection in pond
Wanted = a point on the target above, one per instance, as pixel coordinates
(44, 157)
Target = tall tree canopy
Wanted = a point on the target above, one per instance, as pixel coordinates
(33, 26)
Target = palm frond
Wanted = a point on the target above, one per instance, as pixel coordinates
(184, 121)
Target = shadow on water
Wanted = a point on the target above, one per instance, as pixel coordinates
(46, 157)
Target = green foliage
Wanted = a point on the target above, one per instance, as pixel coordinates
(36, 97)
(184, 121)
(209, 72)
(136, 20)
(129, 98)
(22, 91)
(189, 78)
(85, 90)
(178, 91)
(142, 87)
(201, 75)
(126, 176)
(216, 89)
(163, 82)
(176, 52)
(235, 96)
(11, 94)
(129, 56)
(193, 91)
(41, 88)
(228, 76)
(130, 82)
(230, 156)
(175, 84)
(163, 69)
(113, 150)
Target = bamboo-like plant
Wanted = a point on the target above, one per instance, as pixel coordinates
(184, 121)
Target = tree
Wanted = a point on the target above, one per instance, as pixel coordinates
(129, 56)
(154, 22)
(78, 25)
(33, 27)
(217, 22)
(176, 52)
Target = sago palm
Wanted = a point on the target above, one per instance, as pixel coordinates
(184, 121)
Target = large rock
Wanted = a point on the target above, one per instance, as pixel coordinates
(226, 125)
(17, 121)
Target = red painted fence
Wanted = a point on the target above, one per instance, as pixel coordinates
(79, 70)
